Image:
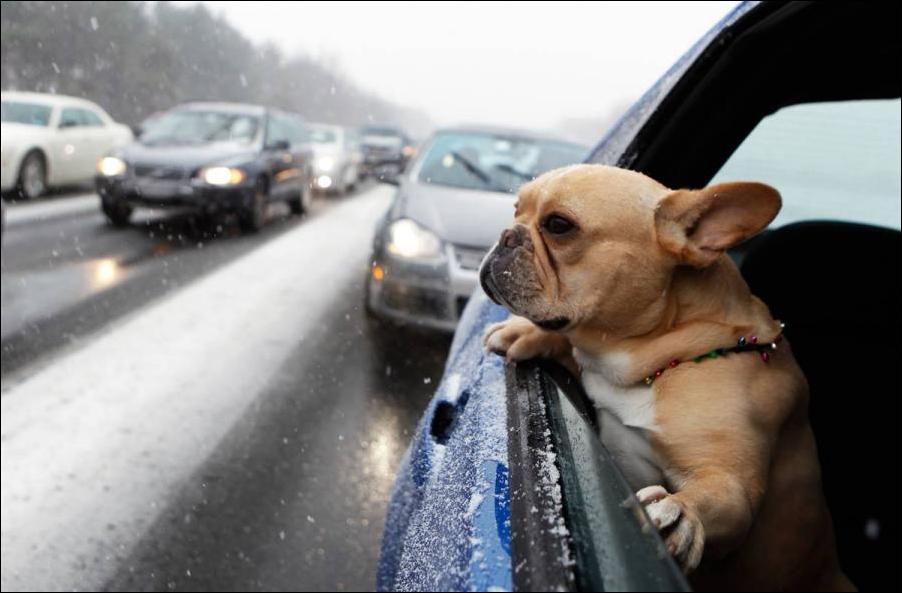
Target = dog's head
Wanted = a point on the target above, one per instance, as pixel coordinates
(596, 246)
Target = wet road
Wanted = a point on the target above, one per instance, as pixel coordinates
(188, 412)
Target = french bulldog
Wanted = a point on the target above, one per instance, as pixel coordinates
(627, 283)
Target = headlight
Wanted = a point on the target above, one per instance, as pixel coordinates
(408, 151)
(222, 175)
(408, 239)
(111, 166)
(325, 163)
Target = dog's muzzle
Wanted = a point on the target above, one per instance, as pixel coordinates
(500, 258)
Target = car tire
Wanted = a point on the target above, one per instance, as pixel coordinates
(32, 180)
(118, 213)
(301, 203)
(253, 216)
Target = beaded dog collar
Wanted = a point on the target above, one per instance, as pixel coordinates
(744, 344)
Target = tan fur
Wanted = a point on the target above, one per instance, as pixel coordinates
(644, 277)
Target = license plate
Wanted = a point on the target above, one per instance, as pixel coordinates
(159, 190)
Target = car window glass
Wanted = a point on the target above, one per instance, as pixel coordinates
(387, 140)
(32, 114)
(323, 136)
(837, 160)
(71, 117)
(490, 162)
(278, 129)
(297, 133)
(193, 126)
(89, 118)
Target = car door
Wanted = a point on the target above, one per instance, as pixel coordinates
(99, 137)
(301, 153)
(279, 156)
(355, 154)
(72, 147)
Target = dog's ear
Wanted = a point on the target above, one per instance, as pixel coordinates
(698, 225)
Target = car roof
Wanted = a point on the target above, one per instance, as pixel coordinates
(47, 98)
(377, 129)
(222, 106)
(509, 132)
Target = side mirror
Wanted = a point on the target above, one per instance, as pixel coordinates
(279, 145)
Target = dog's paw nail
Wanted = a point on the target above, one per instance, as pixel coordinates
(651, 494)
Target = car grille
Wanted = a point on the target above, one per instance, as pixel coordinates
(416, 301)
(161, 172)
(469, 258)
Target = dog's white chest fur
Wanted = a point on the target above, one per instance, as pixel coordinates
(626, 417)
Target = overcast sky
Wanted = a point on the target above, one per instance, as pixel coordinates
(512, 63)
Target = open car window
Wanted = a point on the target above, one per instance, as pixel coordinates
(835, 160)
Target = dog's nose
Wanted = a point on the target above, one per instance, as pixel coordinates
(510, 238)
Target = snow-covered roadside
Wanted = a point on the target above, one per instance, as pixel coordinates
(93, 445)
(67, 206)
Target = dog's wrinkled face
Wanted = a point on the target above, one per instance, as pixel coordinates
(582, 245)
(596, 246)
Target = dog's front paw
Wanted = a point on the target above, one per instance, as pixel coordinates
(678, 524)
(517, 339)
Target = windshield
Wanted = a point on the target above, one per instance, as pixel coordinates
(387, 140)
(322, 136)
(33, 114)
(492, 162)
(201, 127)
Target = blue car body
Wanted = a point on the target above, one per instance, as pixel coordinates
(448, 525)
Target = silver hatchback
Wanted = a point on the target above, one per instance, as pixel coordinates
(451, 206)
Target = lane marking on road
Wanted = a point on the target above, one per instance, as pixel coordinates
(96, 444)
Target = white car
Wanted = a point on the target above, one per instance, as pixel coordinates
(337, 159)
(53, 140)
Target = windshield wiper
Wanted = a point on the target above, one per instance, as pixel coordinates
(513, 171)
(471, 168)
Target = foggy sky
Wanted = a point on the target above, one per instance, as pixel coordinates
(521, 64)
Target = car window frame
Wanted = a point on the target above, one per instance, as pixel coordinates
(537, 391)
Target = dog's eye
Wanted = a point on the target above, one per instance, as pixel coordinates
(558, 225)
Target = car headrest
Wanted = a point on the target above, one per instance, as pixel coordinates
(839, 276)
